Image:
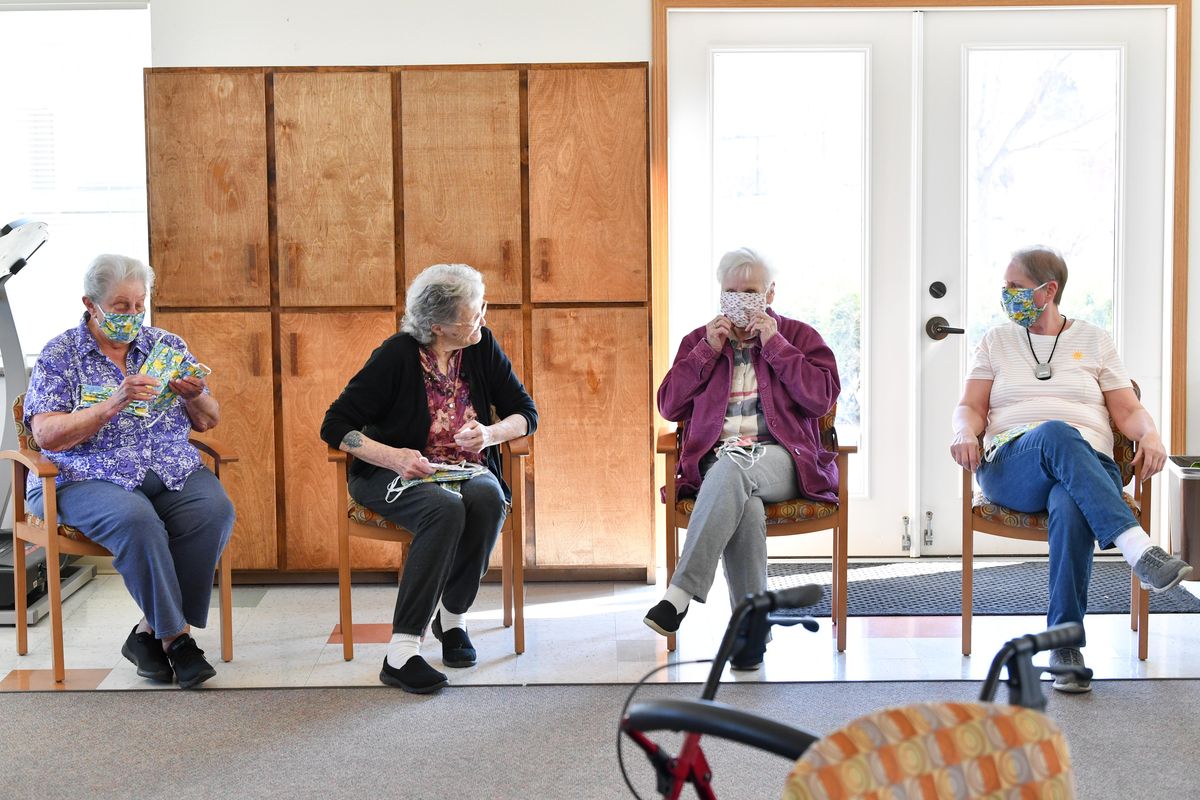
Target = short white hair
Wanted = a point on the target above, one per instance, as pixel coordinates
(743, 261)
(108, 271)
(437, 296)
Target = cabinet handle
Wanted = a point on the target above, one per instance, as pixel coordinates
(544, 259)
(506, 259)
(294, 360)
(291, 265)
(252, 265)
(255, 357)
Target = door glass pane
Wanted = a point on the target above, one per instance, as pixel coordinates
(789, 180)
(1042, 138)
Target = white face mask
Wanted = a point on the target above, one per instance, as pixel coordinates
(741, 307)
(744, 455)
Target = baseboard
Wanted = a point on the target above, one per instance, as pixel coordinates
(532, 575)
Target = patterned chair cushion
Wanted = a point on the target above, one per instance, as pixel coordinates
(985, 509)
(365, 516)
(63, 530)
(801, 510)
(24, 437)
(942, 750)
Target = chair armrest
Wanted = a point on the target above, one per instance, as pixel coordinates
(34, 461)
(518, 447)
(220, 452)
(335, 455)
(847, 448)
(667, 440)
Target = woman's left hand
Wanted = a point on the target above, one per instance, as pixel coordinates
(474, 437)
(764, 325)
(1151, 456)
(188, 388)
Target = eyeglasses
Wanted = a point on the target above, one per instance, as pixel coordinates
(477, 321)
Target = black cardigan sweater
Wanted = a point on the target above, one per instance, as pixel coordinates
(386, 400)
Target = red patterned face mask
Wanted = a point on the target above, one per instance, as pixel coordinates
(741, 307)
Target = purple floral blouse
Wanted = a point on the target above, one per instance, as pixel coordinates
(450, 408)
(123, 450)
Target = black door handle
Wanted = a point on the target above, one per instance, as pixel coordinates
(938, 328)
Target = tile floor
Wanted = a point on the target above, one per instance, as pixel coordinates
(284, 636)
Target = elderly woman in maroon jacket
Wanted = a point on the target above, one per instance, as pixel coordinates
(751, 386)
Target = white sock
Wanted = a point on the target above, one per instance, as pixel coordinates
(678, 598)
(1133, 543)
(450, 619)
(402, 647)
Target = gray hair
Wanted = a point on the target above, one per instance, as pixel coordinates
(743, 261)
(436, 296)
(108, 271)
(1043, 264)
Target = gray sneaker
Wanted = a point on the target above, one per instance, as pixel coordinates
(1159, 571)
(1069, 657)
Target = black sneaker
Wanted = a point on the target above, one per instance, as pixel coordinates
(457, 650)
(147, 655)
(664, 618)
(415, 676)
(188, 660)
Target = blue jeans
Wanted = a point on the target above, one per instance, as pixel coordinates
(165, 544)
(1052, 468)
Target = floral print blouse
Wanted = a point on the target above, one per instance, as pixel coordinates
(449, 398)
(126, 447)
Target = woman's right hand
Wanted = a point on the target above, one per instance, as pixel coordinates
(134, 388)
(965, 450)
(718, 332)
(411, 464)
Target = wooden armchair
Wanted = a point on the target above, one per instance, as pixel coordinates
(981, 515)
(783, 519)
(358, 520)
(59, 539)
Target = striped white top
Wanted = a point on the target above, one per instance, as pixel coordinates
(744, 417)
(1085, 366)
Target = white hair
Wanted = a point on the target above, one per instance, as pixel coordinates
(743, 261)
(108, 271)
(437, 296)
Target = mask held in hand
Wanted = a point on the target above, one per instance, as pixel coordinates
(741, 307)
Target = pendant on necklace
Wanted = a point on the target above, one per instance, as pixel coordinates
(1042, 372)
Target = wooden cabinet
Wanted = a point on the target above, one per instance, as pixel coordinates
(207, 175)
(461, 160)
(594, 490)
(237, 346)
(334, 181)
(320, 352)
(587, 185)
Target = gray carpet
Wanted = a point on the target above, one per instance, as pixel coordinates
(1130, 739)
(931, 587)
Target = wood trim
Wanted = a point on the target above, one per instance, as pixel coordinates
(276, 344)
(403, 67)
(372, 576)
(1179, 245)
(529, 556)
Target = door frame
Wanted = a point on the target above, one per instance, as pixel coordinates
(659, 271)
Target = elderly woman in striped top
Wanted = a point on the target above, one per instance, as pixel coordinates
(1042, 390)
(752, 386)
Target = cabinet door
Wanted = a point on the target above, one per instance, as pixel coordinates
(237, 345)
(320, 352)
(206, 166)
(587, 185)
(591, 371)
(462, 174)
(333, 167)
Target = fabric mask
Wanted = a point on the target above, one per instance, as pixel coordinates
(1018, 305)
(120, 327)
(741, 307)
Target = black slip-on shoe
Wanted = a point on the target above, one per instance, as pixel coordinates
(746, 662)
(664, 618)
(147, 655)
(457, 650)
(191, 669)
(415, 676)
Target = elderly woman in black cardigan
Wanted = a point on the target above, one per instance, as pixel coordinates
(426, 396)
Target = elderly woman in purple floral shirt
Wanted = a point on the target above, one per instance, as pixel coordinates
(129, 479)
(427, 395)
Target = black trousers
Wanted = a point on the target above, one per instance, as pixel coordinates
(453, 537)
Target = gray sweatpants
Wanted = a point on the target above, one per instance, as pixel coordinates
(730, 520)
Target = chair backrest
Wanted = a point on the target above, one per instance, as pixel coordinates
(825, 428)
(1124, 447)
(952, 750)
(24, 435)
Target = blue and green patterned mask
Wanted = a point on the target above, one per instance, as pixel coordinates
(120, 327)
(1018, 305)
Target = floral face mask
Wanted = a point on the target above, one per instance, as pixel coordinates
(1018, 305)
(741, 307)
(120, 327)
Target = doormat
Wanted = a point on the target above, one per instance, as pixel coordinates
(927, 587)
